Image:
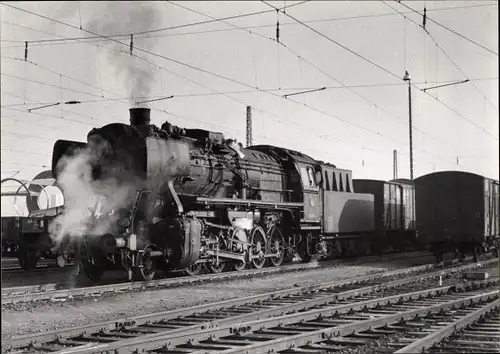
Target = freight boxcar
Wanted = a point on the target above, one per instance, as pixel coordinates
(457, 212)
(394, 212)
(27, 238)
(9, 239)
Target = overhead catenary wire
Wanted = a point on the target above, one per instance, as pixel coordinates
(309, 63)
(386, 71)
(51, 116)
(457, 112)
(283, 120)
(445, 54)
(122, 98)
(310, 107)
(449, 29)
(279, 119)
(201, 70)
(124, 35)
(24, 164)
(346, 18)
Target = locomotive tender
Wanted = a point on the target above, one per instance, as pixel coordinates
(201, 200)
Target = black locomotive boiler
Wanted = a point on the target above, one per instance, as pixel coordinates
(200, 200)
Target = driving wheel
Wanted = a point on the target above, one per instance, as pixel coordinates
(217, 268)
(146, 270)
(194, 269)
(276, 245)
(258, 247)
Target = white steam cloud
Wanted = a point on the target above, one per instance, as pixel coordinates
(90, 206)
(128, 18)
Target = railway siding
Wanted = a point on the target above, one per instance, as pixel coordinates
(288, 331)
(204, 317)
(52, 291)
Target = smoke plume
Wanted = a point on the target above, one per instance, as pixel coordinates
(129, 18)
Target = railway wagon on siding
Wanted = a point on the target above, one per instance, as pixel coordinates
(457, 211)
(27, 238)
(394, 212)
(9, 239)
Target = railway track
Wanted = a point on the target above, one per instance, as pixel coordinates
(470, 329)
(55, 291)
(11, 265)
(315, 300)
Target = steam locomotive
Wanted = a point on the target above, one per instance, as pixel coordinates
(200, 200)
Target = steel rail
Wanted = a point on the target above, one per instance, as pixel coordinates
(118, 287)
(244, 329)
(9, 265)
(27, 289)
(39, 268)
(303, 339)
(447, 331)
(301, 298)
(483, 334)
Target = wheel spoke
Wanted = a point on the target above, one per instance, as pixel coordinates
(213, 268)
(258, 247)
(194, 269)
(277, 245)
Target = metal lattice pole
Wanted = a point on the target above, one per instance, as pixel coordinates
(249, 126)
(395, 165)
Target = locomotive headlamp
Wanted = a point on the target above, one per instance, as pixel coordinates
(124, 222)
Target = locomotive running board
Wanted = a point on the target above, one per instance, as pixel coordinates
(249, 202)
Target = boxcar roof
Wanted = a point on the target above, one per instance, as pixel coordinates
(454, 173)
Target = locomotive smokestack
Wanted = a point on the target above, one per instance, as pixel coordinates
(140, 116)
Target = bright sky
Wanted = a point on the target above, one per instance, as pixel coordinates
(355, 126)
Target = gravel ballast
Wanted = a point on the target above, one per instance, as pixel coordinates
(26, 318)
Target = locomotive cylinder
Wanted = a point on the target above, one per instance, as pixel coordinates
(107, 243)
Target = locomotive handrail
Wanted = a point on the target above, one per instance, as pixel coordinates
(202, 200)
